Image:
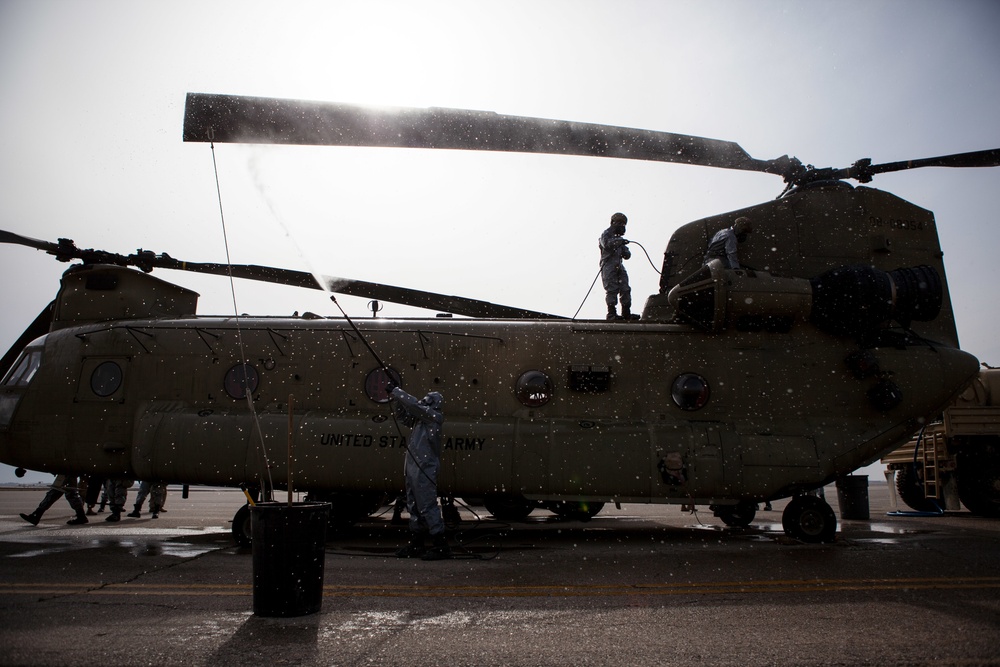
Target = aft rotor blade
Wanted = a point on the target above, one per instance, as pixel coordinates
(261, 120)
(863, 171)
(987, 158)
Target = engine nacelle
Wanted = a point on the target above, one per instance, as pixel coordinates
(846, 301)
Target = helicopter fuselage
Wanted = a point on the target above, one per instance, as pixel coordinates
(546, 410)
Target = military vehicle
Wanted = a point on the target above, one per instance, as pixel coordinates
(833, 345)
(954, 460)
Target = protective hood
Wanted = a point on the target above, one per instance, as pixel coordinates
(434, 400)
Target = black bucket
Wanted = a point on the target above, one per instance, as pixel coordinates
(289, 553)
(852, 497)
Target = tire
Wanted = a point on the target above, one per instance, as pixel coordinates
(576, 510)
(739, 515)
(809, 519)
(241, 527)
(978, 475)
(507, 507)
(346, 509)
(911, 490)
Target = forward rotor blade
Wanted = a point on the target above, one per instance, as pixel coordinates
(17, 239)
(65, 250)
(393, 294)
(238, 119)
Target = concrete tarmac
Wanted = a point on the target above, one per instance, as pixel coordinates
(640, 585)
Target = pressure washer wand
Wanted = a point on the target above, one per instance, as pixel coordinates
(360, 335)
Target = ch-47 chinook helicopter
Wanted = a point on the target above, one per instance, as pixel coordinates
(734, 387)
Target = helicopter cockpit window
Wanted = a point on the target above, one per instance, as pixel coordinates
(690, 391)
(377, 382)
(240, 379)
(25, 369)
(534, 389)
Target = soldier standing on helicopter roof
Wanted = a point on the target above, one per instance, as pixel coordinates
(614, 249)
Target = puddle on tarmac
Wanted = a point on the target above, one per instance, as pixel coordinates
(894, 529)
(133, 543)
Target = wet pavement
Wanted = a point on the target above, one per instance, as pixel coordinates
(639, 585)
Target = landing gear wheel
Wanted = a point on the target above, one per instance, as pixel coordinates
(911, 490)
(579, 511)
(346, 508)
(508, 508)
(739, 515)
(241, 527)
(809, 519)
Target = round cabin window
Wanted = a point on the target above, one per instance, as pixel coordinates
(377, 383)
(240, 379)
(534, 389)
(690, 391)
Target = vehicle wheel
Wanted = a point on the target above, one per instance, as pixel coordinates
(508, 508)
(576, 510)
(346, 509)
(739, 515)
(911, 490)
(979, 481)
(241, 527)
(809, 519)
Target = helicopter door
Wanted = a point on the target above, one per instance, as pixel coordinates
(103, 380)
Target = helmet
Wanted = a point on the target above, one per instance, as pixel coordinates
(619, 219)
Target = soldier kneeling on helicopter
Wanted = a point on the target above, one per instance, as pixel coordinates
(423, 460)
(725, 243)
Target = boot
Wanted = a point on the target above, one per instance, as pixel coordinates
(612, 314)
(90, 510)
(450, 514)
(135, 513)
(116, 514)
(81, 518)
(415, 549)
(397, 513)
(439, 548)
(32, 518)
(628, 314)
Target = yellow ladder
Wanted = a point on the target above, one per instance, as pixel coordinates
(929, 457)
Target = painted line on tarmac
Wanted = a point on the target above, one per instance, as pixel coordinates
(569, 590)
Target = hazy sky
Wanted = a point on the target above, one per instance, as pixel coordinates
(91, 112)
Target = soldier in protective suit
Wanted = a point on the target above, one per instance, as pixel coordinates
(423, 460)
(614, 249)
(725, 243)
